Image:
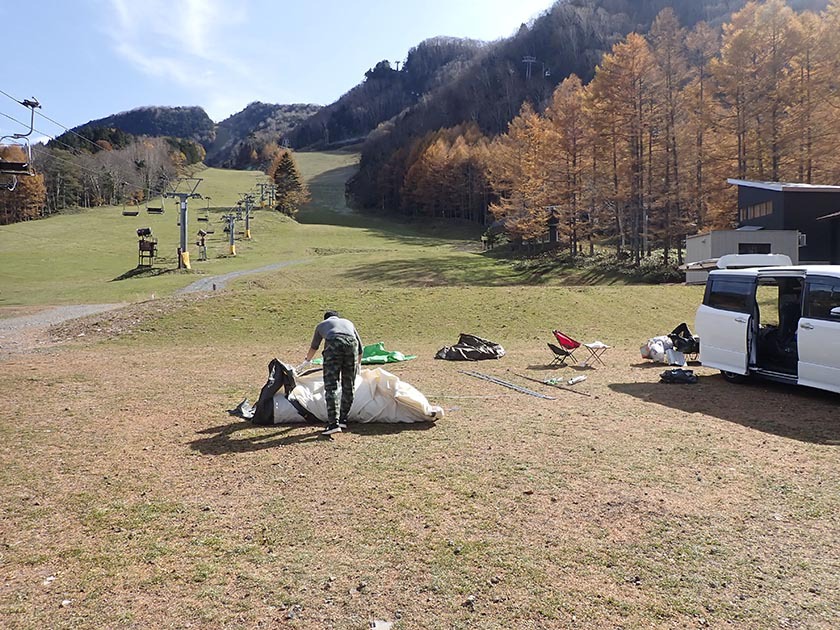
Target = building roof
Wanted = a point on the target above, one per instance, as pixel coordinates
(784, 186)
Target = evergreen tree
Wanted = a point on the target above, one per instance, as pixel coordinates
(290, 190)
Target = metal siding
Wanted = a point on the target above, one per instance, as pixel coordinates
(781, 242)
(698, 247)
(803, 209)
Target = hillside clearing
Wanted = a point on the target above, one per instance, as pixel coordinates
(132, 499)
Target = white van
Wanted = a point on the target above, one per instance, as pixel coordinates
(780, 322)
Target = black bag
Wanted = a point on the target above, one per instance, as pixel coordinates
(471, 348)
(678, 375)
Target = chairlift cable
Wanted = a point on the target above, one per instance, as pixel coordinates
(81, 168)
(75, 150)
(55, 122)
(46, 135)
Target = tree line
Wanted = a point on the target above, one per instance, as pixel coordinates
(640, 154)
(71, 176)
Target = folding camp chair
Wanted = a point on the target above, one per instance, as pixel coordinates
(559, 355)
(596, 349)
(568, 344)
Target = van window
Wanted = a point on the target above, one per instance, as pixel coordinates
(823, 295)
(730, 293)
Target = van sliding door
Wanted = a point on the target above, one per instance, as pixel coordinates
(724, 322)
(818, 335)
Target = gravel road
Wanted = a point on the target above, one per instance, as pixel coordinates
(52, 316)
(26, 332)
(215, 283)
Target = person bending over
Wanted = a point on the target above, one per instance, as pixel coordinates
(342, 359)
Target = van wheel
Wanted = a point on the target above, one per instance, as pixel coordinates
(732, 377)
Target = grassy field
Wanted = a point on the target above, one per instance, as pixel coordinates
(131, 499)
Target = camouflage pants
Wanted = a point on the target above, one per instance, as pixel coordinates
(340, 357)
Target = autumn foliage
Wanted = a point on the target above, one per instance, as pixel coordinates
(639, 156)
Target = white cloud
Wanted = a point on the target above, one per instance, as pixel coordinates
(181, 41)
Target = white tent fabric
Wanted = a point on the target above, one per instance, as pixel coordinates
(379, 397)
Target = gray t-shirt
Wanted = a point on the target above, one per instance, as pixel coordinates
(333, 326)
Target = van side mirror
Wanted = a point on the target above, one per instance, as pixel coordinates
(835, 312)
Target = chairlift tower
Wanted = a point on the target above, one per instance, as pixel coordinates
(529, 61)
(190, 184)
(265, 191)
(249, 200)
(230, 219)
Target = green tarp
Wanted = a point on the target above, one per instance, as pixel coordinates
(376, 354)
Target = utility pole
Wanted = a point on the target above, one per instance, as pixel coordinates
(191, 183)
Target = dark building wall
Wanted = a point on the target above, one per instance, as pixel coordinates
(748, 196)
(802, 209)
(798, 211)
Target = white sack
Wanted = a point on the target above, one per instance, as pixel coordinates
(379, 397)
(656, 348)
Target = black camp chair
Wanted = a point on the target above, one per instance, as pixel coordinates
(559, 355)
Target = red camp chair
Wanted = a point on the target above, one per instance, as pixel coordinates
(595, 348)
(567, 343)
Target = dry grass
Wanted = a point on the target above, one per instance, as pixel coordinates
(644, 505)
(131, 499)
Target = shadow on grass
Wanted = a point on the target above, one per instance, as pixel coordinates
(328, 207)
(142, 272)
(432, 271)
(663, 366)
(545, 367)
(799, 413)
(221, 439)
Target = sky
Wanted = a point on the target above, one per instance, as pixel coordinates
(87, 59)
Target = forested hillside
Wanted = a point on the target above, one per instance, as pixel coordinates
(569, 38)
(639, 154)
(385, 92)
(249, 138)
(191, 123)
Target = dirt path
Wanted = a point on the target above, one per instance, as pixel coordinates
(27, 332)
(214, 283)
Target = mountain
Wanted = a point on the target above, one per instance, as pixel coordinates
(191, 123)
(385, 92)
(489, 90)
(253, 128)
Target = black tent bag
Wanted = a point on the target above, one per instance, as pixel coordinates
(471, 348)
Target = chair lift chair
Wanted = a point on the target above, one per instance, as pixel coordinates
(559, 355)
